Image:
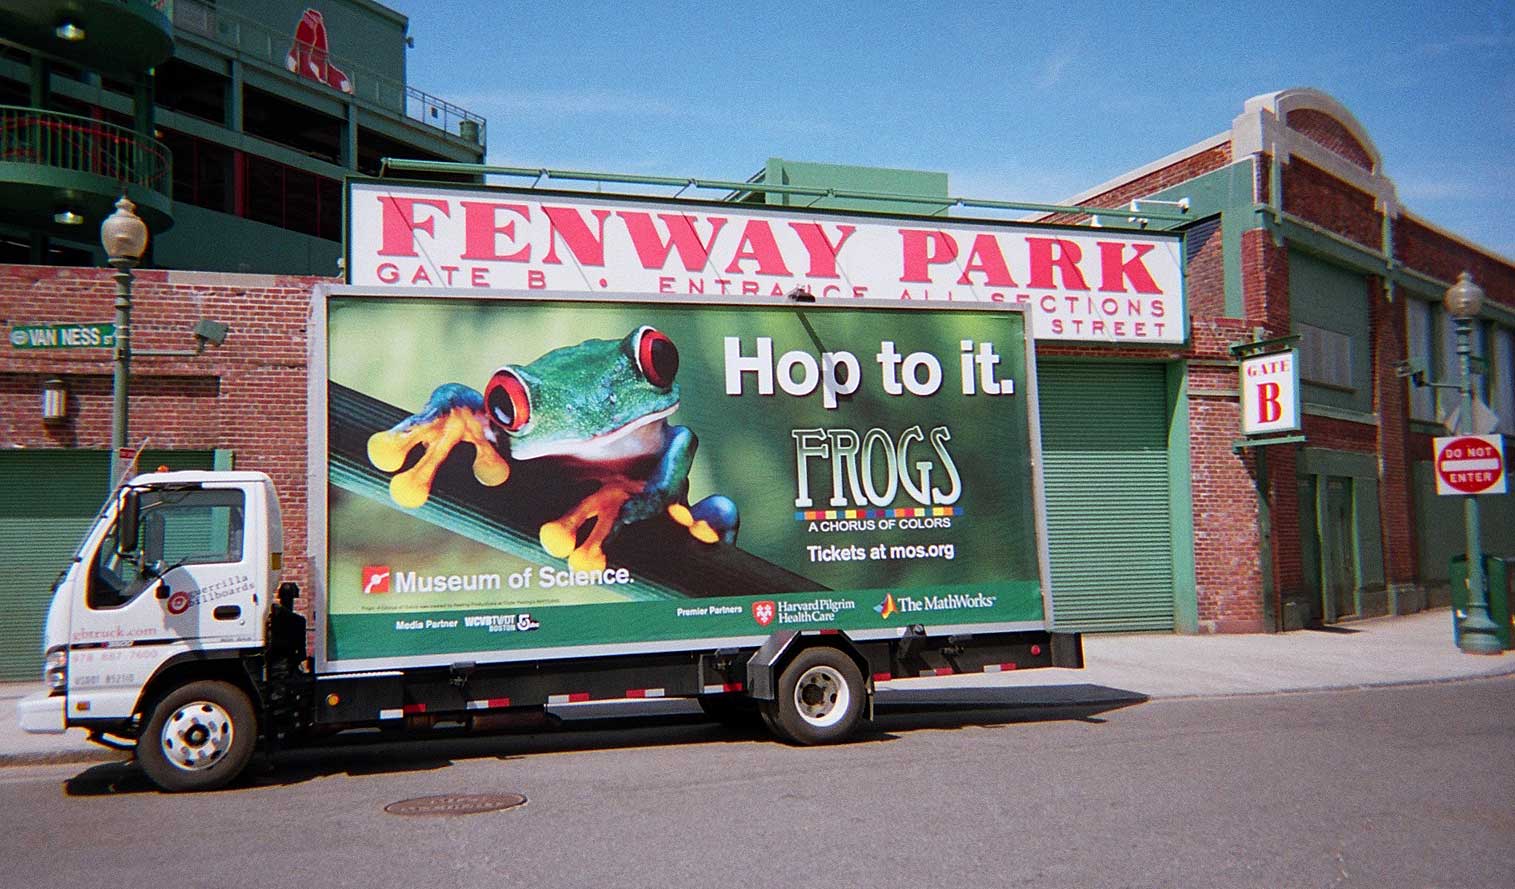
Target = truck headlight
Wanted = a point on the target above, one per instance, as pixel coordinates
(55, 670)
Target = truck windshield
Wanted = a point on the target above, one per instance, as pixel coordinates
(177, 527)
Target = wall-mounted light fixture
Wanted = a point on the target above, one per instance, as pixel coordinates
(54, 401)
(68, 217)
(68, 30)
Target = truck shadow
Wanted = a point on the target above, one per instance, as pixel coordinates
(631, 725)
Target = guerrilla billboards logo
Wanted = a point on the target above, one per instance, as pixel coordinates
(893, 605)
(381, 579)
(824, 610)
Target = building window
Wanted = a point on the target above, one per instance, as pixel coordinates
(1432, 345)
(1325, 357)
(1420, 349)
(1501, 377)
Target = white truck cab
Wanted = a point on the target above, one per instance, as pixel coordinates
(179, 569)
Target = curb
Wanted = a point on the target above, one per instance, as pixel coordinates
(63, 757)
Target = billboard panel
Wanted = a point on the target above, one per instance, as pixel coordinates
(1085, 284)
(515, 478)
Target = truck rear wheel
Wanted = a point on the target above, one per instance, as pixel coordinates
(199, 737)
(820, 698)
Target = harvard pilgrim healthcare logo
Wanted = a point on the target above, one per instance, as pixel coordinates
(886, 607)
(763, 612)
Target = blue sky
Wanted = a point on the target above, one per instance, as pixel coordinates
(1016, 101)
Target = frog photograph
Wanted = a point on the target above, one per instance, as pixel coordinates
(622, 457)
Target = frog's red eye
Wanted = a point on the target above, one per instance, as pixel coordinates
(507, 400)
(657, 357)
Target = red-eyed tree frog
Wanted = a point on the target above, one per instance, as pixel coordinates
(601, 409)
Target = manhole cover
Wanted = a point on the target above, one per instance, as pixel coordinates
(456, 804)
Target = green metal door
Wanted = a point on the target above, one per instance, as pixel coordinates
(1109, 531)
(48, 498)
(1338, 550)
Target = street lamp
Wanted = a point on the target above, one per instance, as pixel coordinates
(124, 237)
(1463, 300)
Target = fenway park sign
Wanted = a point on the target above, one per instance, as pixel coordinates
(1084, 284)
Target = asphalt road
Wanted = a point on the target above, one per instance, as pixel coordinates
(1410, 786)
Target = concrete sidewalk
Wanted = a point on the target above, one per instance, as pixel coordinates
(1382, 651)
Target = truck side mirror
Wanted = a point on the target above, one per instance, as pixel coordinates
(127, 518)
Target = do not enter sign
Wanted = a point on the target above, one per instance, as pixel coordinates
(1470, 464)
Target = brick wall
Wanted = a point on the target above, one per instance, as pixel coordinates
(247, 395)
(1327, 132)
(1313, 194)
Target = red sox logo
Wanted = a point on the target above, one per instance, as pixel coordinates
(762, 612)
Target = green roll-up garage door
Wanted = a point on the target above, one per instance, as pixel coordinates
(1109, 532)
(47, 500)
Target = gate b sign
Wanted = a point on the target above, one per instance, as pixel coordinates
(1470, 464)
(1270, 393)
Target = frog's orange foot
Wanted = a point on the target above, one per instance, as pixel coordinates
(698, 529)
(712, 520)
(448, 419)
(560, 537)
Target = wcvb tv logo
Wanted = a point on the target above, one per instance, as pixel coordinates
(763, 612)
(376, 579)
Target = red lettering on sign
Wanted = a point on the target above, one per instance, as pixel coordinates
(565, 223)
(922, 249)
(822, 252)
(1114, 272)
(399, 224)
(985, 256)
(1048, 254)
(757, 243)
(653, 251)
(1270, 407)
(481, 232)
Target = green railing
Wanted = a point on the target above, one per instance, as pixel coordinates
(84, 145)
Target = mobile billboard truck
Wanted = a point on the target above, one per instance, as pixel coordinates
(521, 500)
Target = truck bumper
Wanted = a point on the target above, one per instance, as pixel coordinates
(41, 713)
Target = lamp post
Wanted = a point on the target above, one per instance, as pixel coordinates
(1479, 634)
(124, 237)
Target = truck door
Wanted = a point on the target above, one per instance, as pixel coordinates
(187, 582)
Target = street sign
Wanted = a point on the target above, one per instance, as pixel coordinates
(1270, 392)
(1470, 464)
(88, 335)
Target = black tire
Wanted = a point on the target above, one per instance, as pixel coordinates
(735, 711)
(820, 698)
(200, 736)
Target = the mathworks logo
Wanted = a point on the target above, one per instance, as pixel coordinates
(376, 579)
(886, 607)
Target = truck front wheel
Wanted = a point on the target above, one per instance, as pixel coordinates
(199, 737)
(820, 698)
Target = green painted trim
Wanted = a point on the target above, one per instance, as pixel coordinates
(222, 459)
(234, 104)
(276, 82)
(1228, 192)
(742, 188)
(211, 132)
(1346, 464)
(1181, 502)
(1336, 413)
